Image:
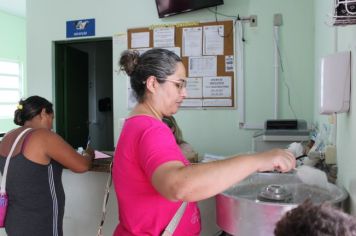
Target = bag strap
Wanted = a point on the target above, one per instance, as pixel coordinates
(4, 175)
(171, 227)
(105, 202)
(169, 230)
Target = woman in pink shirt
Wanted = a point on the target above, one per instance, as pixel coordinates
(152, 177)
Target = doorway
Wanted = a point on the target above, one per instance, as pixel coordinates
(84, 92)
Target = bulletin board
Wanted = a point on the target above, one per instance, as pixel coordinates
(207, 52)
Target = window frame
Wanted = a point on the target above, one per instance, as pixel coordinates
(20, 88)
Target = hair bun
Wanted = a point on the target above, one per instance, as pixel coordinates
(128, 61)
(18, 114)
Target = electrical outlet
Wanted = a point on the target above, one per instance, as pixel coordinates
(330, 154)
(253, 20)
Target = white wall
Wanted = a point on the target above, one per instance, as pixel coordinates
(328, 40)
(346, 123)
(209, 131)
(213, 131)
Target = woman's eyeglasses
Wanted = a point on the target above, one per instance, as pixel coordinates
(180, 84)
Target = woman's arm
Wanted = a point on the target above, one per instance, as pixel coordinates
(200, 181)
(56, 148)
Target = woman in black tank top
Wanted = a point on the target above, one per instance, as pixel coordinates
(34, 184)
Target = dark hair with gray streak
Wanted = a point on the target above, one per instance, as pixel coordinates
(157, 62)
(316, 219)
(31, 107)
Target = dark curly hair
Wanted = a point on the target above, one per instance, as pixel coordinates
(157, 62)
(31, 107)
(310, 219)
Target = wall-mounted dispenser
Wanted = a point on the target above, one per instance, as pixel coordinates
(335, 83)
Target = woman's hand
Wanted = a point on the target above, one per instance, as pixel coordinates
(276, 159)
(89, 153)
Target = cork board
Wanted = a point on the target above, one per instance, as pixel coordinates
(210, 69)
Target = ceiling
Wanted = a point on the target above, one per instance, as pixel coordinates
(15, 7)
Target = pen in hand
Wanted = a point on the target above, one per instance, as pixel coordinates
(90, 150)
(88, 143)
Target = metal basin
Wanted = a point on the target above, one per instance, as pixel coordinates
(253, 206)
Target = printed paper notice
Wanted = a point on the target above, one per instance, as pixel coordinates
(192, 103)
(229, 63)
(213, 40)
(217, 102)
(217, 86)
(131, 99)
(192, 41)
(163, 37)
(140, 40)
(119, 39)
(194, 88)
(202, 66)
(176, 50)
(142, 50)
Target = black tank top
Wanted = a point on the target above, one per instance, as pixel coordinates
(36, 197)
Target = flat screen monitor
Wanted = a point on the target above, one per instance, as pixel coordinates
(167, 8)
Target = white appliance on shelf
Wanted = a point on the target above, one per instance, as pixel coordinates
(279, 134)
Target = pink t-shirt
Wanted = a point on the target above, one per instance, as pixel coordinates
(145, 143)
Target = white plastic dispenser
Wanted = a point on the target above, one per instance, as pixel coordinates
(335, 83)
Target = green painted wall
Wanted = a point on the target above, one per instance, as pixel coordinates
(305, 38)
(211, 131)
(13, 47)
(329, 40)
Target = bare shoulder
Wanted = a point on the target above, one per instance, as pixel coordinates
(10, 137)
(42, 132)
(43, 135)
(44, 142)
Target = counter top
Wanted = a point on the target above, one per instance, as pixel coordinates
(102, 164)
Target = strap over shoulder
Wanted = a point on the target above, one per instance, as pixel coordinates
(3, 180)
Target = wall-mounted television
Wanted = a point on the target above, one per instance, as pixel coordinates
(167, 8)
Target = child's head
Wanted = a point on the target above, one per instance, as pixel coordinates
(316, 219)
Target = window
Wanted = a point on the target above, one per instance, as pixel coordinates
(10, 87)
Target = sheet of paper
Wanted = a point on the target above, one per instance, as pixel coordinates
(192, 103)
(192, 41)
(119, 39)
(195, 87)
(217, 86)
(140, 40)
(229, 63)
(131, 99)
(163, 37)
(176, 50)
(213, 40)
(217, 102)
(202, 66)
(142, 50)
(101, 155)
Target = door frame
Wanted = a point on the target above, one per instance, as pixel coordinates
(59, 75)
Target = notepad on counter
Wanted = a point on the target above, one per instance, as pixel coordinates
(100, 155)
